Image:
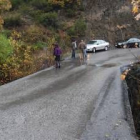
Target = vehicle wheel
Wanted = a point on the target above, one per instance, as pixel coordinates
(106, 48)
(94, 50)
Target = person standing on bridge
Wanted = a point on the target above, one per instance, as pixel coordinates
(82, 48)
(73, 47)
(57, 53)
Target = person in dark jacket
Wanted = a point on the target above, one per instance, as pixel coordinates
(57, 53)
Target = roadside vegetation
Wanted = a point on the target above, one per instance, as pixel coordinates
(132, 77)
(30, 27)
(133, 82)
(28, 30)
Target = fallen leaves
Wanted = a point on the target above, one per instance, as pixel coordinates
(124, 74)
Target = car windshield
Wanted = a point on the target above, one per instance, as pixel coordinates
(92, 42)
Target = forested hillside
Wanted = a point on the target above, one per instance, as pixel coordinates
(31, 27)
(29, 30)
(111, 20)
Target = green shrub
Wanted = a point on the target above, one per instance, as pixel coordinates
(70, 13)
(71, 31)
(13, 21)
(16, 3)
(6, 33)
(81, 8)
(42, 5)
(49, 19)
(5, 48)
(34, 34)
(80, 27)
(40, 45)
(26, 10)
(36, 14)
(27, 1)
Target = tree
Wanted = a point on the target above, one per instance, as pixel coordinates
(62, 3)
(136, 8)
(4, 5)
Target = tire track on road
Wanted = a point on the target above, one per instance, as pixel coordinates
(100, 101)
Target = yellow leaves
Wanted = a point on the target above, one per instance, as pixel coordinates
(34, 34)
(23, 60)
(15, 35)
(124, 74)
(123, 77)
(135, 9)
(26, 62)
(5, 5)
(1, 22)
(19, 63)
(5, 65)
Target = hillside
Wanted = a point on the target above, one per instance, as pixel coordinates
(107, 19)
(111, 20)
(32, 26)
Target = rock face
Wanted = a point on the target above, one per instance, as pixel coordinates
(110, 20)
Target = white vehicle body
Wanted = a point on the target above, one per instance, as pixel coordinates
(95, 45)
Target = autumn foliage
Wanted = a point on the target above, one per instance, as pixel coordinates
(22, 60)
(4, 5)
(136, 8)
(27, 48)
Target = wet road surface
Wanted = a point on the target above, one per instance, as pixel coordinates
(76, 102)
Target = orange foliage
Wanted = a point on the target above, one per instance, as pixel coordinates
(19, 62)
(34, 33)
(24, 60)
(136, 5)
(5, 5)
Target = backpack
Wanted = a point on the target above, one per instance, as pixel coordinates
(82, 46)
(74, 46)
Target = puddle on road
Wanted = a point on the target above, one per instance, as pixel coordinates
(104, 65)
(108, 65)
